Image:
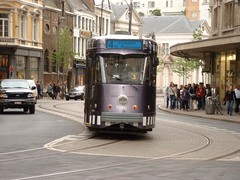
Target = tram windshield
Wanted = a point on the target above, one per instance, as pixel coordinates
(134, 69)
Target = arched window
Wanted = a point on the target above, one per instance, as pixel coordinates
(46, 61)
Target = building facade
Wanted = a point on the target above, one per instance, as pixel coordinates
(21, 43)
(83, 29)
(57, 15)
(124, 18)
(169, 31)
(220, 53)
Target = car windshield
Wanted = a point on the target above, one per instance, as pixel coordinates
(14, 84)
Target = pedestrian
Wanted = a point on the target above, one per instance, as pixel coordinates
(237, 93)
(172, 94)
(167, 95)
(185, 98)
(193, 97)
(229, 98)
(49, 90)
(55, 91)
(201, 93)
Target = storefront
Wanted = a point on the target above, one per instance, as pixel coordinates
(21, 63)
(221, 57)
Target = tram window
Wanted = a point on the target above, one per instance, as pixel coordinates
(133, 69)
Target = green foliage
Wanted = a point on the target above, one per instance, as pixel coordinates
(64, 54)
(183, 67)
(156, 12)
(141, 14)
(197, 34)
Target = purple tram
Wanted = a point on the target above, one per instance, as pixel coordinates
(120, 91)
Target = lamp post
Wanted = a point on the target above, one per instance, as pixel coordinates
(100, 23)
(130, 17)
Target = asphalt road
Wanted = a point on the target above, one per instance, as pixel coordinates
(58, 146)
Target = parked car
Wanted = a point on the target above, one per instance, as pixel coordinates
(16, 93)
(76, 93)
(33, 84)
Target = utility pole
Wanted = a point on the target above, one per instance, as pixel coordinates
(100, 23)
(130, 17)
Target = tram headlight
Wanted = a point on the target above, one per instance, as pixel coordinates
(109, 106)
(135, 107)
(122, 99)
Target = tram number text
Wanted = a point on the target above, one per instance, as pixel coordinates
(121, 107)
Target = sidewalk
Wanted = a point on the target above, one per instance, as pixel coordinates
(202, 113)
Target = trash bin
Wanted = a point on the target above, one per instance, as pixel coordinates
(209, 105)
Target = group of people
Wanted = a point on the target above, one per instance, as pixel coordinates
(193, 96)
(56, 91)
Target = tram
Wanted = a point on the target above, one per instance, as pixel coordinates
(120, 91)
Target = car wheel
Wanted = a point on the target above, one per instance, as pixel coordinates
(32, 109)
(67, 99)
(1, 110)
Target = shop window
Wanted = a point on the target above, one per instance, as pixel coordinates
(21, 64)
(33, 62)
(3, 66)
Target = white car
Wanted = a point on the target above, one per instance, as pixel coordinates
(33, 84)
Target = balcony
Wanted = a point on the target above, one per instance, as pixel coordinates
(7, 40)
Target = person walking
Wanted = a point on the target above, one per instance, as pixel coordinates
(167, 95)
(237, 93)
(201, 92)
(229, 98)
(172, 94)
(185, 98)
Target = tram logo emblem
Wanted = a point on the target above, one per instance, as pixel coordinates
(122, 99)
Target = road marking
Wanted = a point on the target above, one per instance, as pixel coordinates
(21, 151)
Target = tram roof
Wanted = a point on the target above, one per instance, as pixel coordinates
(117, 36)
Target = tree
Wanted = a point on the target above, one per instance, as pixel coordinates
(64, 55)
(141, 14)
(183, 67)
(197, 34)
(156, 12)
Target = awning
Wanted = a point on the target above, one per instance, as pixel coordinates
(198, 49)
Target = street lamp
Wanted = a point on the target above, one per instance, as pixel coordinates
(100, 25)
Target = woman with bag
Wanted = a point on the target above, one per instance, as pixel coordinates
(230, 97)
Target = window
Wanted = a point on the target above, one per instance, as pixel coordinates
(136, 5)
(194, 14)
(83, 23)
(165, 49)
(87, 24)
(79, 21)
(22, 26)
(35, 29)
(228, 15)
(151, 4)
(54, 62)
(4, 32)
(46, 61)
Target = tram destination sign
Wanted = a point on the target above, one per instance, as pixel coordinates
(123, 44)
